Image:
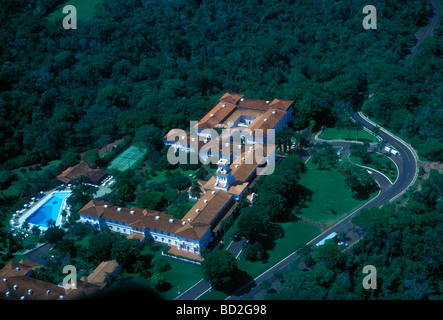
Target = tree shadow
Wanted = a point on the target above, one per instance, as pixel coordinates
(164, 287)
(300, 195)
(275, 231)
(364, 194)
(241, 283)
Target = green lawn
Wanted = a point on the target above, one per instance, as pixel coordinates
(329, 192)
(380, 163)
(182, 275)
(85, 10)
(334, 134)
(327, 186)
(297, 234)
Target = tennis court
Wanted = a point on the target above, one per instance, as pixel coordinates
(127, 158)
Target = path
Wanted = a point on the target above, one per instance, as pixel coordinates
(388, 192)
(426, 31)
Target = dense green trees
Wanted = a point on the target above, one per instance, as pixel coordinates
(178, 181)
(81, 193)
(278, 193)
(324, 156)
(361, 151)
(151, 199)
(158, 65)
(219, 267)
(359, 181)
(403, 243)
(54, 234)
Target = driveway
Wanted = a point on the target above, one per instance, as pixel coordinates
(407, 166)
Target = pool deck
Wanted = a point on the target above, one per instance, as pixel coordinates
(38, 205)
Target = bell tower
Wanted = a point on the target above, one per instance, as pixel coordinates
(224, 175)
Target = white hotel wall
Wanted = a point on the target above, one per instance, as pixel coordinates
(158, 236)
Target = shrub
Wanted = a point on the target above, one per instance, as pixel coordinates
(161, 265)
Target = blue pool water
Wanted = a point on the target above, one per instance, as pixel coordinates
(49, 210)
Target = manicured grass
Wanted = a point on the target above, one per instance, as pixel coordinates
(334, 134)
(329, 192)
(296, 235)
(161, 179)
(182, 275)
(380, 163)
(327, 186)
(85, 10)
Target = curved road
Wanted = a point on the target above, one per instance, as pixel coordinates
(406, 162)
(407, 166)
(426, 31)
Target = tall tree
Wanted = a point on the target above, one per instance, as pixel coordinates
(219, 267)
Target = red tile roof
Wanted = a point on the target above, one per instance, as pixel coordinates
(217, 115)
(231, 97)
(143, 218)
(82, 169)
(281, 104)
(19, 283)
(267, 121)
(254, 104)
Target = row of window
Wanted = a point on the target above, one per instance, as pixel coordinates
(128, 230)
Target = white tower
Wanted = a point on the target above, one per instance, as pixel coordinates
(223, 175)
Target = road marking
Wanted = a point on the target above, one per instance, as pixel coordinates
(369, 168)
(329, 230)
(203, 293)
(189, 289)
(401, 142)
(345, 218)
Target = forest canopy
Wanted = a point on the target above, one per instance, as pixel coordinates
(147, 63)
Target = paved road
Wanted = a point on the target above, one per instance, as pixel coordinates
(407, 173)
(193, 293)
(426, 31)
(407, 166)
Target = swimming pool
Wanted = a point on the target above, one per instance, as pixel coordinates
(49, 209)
